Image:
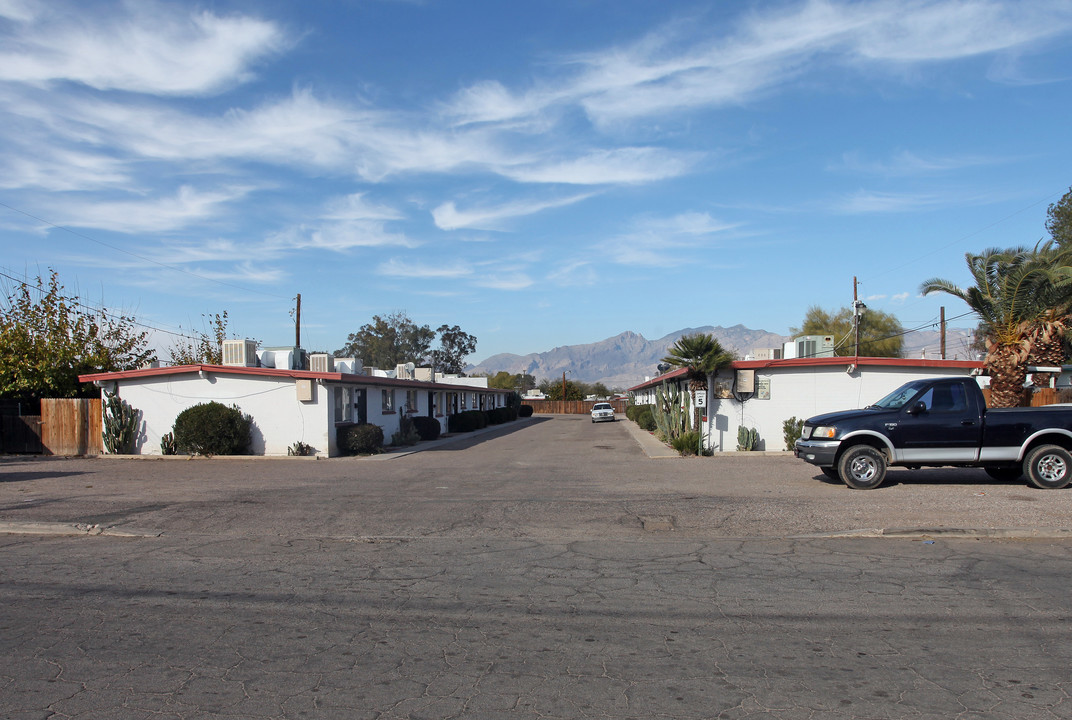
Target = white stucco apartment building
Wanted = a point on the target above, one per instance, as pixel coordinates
(763, 394)
(290, 406)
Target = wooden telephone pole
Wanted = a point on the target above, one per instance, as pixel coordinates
(297, 323)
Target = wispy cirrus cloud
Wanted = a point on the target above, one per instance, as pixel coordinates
(666, 241)
(160, 214)
(907, 164)
(152, 48)
(680, 66)
(877, 202)
(448, 217)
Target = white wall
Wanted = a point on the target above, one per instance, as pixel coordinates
(802, 392)
(279, 419)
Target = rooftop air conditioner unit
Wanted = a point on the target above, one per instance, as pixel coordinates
(242, 353)
(322, 362)
(815, 346)
(351, 366)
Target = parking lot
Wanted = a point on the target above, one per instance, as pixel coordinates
(547, 569)
(551, 476)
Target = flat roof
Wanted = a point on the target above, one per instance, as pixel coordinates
(824, 362)
(348, 378)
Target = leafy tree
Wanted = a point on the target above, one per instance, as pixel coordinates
(553, 389)
(1059, 220)
(204, 348)
(48, 338)
(881, 334)
(503, 380)
(454, 346)
(1016, 292)
(387, 342)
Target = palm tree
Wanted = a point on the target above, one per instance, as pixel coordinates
(1012, 294)
(1048, 335)
(704, 356)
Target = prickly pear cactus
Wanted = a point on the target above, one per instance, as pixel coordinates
(747, 438)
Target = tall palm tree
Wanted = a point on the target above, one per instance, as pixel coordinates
(1010, 297)
(704, 357)
(1049, 331)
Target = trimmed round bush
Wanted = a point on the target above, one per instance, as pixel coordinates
(427, 427)
(498, 416)
(364, 439)
(524, 411)
(212, 429)
(467, 421)
(645, 419)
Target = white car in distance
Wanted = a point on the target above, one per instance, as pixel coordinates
(602, 412)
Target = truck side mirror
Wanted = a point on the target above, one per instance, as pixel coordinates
(918, 409)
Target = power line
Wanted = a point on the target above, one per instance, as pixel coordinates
(141, 257)
(101, 310)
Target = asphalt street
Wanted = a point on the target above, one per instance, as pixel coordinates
(548, 569)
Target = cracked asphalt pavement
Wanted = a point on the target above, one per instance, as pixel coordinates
(548, 569)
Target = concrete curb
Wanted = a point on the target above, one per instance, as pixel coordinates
(69, 530)
(947, 533)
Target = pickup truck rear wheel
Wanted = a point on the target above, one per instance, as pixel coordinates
(1049, 467)
(862, 467)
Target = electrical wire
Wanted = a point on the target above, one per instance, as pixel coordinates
(101, 310)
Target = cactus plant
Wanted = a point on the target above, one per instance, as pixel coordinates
(671, 412)
(747, 438)
(120, 424)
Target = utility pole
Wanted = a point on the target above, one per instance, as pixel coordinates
(297, 323)
(942, 320)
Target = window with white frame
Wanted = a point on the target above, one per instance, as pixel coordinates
(411, 402)
(388, 400)
(343, 405)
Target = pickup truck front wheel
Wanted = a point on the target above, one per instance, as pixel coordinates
(1049, 467)
(862, 467)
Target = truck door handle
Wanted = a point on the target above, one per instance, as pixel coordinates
(967, 422)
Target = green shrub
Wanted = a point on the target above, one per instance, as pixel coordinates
(467, 421)
(498, 416)
(791, 430)
(524, 411)
(213, 429)
(301, 449)
(364, 439)
(687, 443)
(427, 427)
(406, 434)
(646, 419)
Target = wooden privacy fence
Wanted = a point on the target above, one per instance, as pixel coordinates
(20, 434)
(71, 426)
(1040, 397)
(571, 407)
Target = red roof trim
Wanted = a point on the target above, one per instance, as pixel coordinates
(824, 362)
(277, 373)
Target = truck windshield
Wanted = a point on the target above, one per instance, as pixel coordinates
(897, 399)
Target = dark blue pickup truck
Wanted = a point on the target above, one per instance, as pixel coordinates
(941, 422)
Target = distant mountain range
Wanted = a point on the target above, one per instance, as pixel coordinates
(628, 359)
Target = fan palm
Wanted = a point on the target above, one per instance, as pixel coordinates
(704, 357)
(1014, 294)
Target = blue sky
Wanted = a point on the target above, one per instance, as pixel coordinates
(540, 173)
